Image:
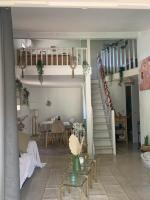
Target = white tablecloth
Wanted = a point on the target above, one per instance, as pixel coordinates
(45, 126)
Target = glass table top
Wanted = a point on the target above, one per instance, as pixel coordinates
(74, 180)
(85, 170)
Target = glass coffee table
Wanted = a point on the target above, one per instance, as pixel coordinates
(74, 180)
(92, 164)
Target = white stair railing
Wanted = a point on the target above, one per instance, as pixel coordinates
(122, 53)
(50, 56)
(107, 103)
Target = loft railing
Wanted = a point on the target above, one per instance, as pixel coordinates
(107, 103)
(122, 53)
(50, 56)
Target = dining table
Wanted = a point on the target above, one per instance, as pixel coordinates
(45, 129)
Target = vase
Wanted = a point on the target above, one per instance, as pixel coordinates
(76, 163)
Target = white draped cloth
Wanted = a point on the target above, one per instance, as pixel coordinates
(146, 158)
(28, 161)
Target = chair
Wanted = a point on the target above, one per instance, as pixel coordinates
(57, 131)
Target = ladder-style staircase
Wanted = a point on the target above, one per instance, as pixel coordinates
(101, 128)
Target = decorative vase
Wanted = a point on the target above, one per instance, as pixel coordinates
(76, 163)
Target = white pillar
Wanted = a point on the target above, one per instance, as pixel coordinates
(9, 110)
(84, 102)
(1, 126)
(89, 113)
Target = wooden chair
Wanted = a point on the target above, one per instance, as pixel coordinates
(57, 131)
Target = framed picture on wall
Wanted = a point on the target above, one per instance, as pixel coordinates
(145, 74)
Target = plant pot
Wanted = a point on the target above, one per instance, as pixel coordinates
(76, 164)
(145, 148)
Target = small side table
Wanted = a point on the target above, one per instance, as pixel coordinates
(77, 181)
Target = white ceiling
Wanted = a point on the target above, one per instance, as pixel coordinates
(79, 20)
(142, 4)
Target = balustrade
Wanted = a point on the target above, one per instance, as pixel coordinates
(50, 56)
(122, 53)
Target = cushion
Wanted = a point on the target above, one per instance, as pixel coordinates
(23, 142)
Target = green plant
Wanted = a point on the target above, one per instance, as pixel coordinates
(26, 94)
(22, 92)
(121, 70)
(19, 85)
(146, 140)
(40, 70)
(86, 67)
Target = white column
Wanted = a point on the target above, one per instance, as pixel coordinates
(1, 128)
(89, 114)
(9, 114)
(83, 102)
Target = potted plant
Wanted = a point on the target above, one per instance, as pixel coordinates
(75, 148)
(145, 147)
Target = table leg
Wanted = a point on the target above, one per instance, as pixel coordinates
(46, 138)
(95, 170)
(61, 192)
(81, 194)
(87, 189)
(69, 189)
(90, 178)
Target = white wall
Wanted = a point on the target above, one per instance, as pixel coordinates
(58, 43)
(143, 45)
(96, 46)
(66, 102)
(44, 43)
(118, 96)
(18, 43)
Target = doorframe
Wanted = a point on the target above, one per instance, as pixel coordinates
(135, 139)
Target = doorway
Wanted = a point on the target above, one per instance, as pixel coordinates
(128, 92)
(132, 112)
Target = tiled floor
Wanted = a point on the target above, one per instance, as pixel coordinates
(123, 177)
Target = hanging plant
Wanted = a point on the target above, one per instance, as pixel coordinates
(40, 70)
(19, 85)
(26, 94)
(121, 70)
(73, 62)
(22, 61)
(119, 43)
(22, 92)
(86, 67)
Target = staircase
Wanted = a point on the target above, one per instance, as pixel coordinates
(101, 132)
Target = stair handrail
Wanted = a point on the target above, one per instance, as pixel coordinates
(106, 102)
(104, 91)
